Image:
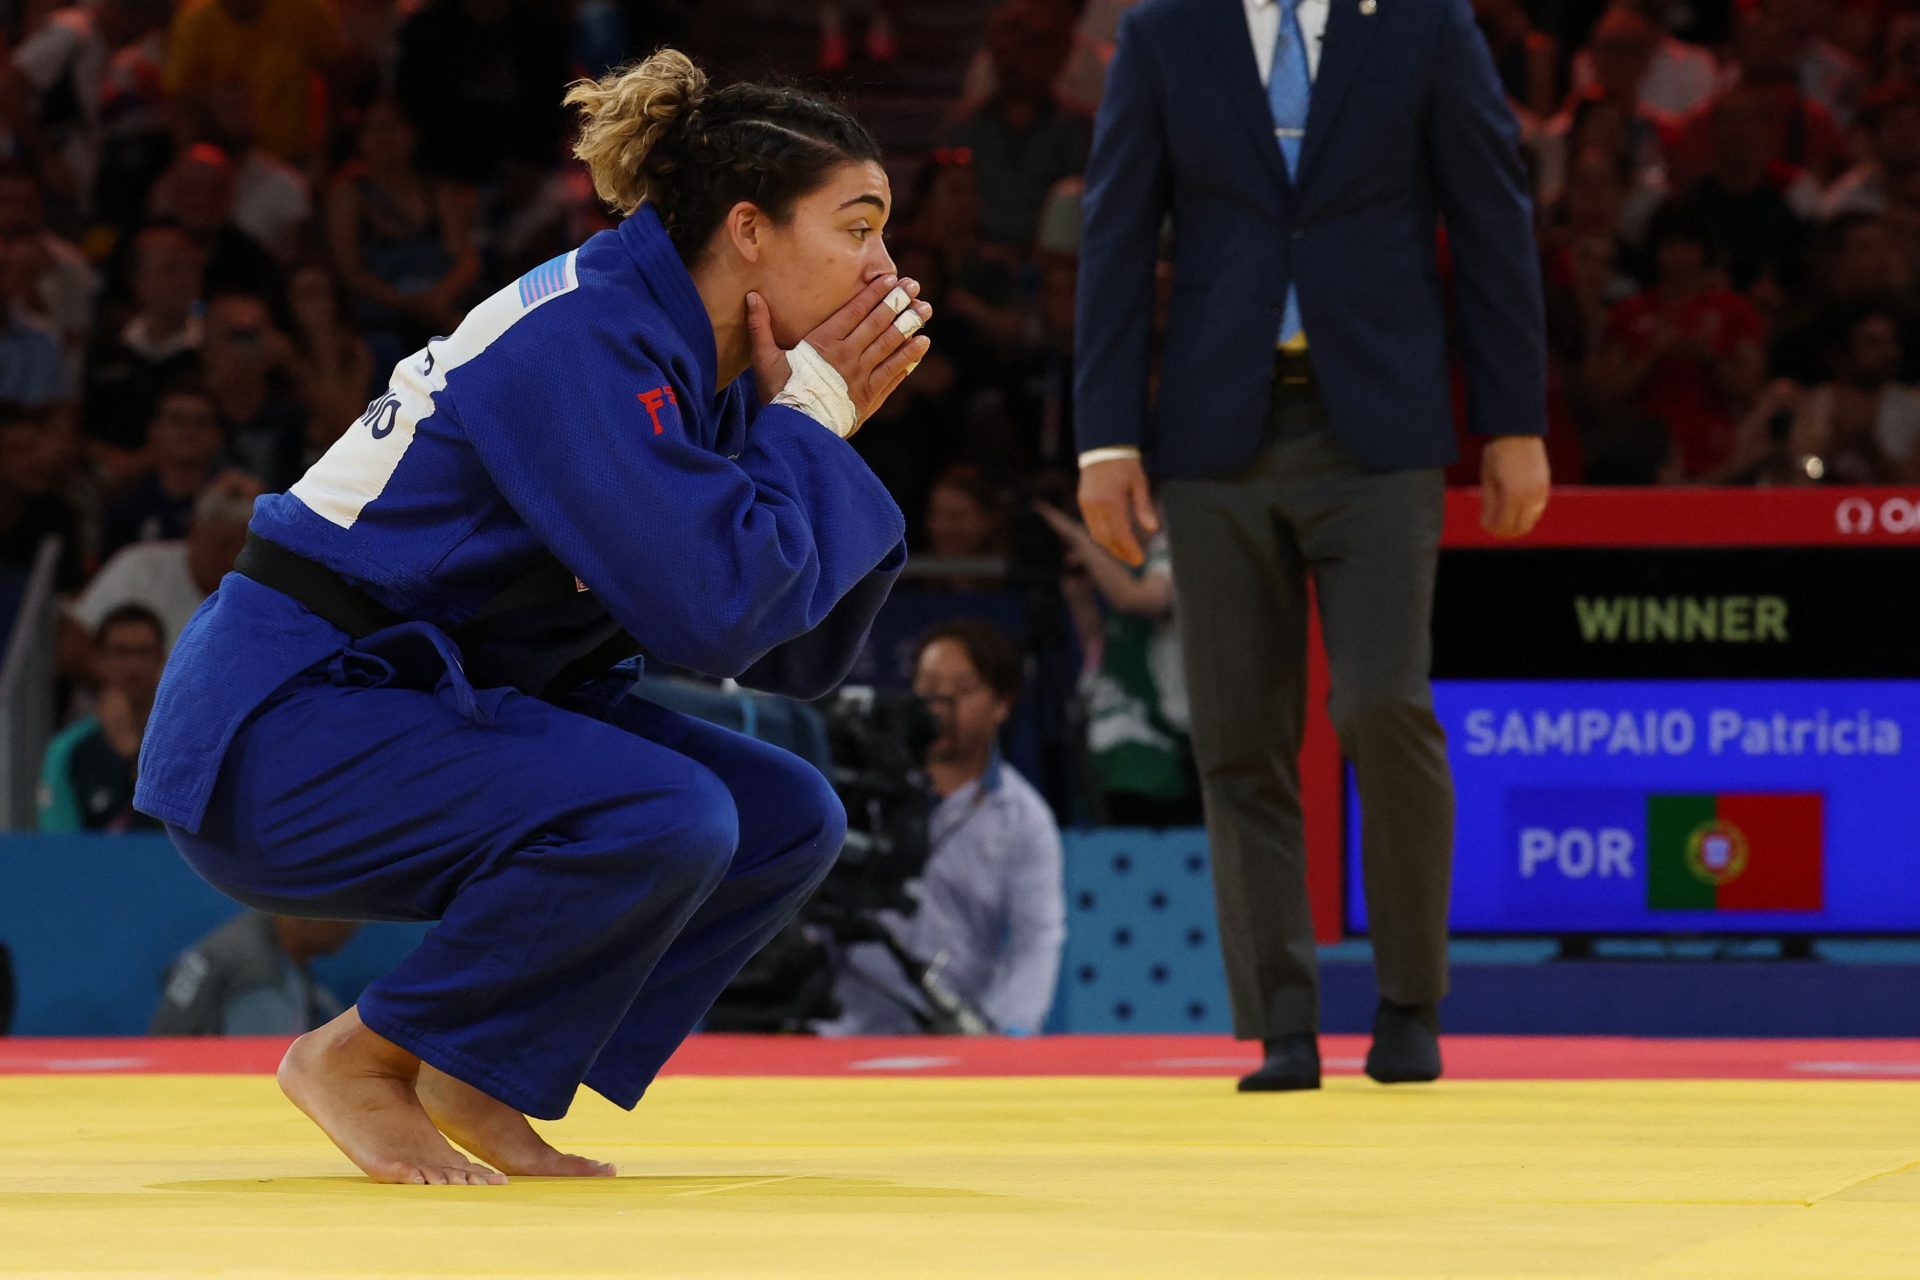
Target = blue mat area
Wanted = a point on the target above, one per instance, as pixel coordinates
(1142, 955)
(94, 921)
(1142, 952)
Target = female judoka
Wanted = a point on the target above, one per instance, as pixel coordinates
(408, 702)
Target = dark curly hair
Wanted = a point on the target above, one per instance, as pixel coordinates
(993, 654)
(655, 132)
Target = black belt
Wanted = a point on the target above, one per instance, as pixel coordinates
(331, 597)
(314, 585)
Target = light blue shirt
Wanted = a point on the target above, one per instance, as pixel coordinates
(992, 914)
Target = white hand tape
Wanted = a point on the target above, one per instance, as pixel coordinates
(908, 321)
(816, 389)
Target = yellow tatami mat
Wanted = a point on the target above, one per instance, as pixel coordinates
(133, 1177)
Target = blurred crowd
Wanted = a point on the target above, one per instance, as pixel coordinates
(222, 221)
(1728, 235)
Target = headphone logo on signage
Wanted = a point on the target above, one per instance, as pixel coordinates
(1717, 852)
(1893, 515)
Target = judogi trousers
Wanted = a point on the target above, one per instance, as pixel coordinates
(599, 872)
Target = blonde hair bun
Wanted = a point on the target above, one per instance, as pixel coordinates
(626, 113)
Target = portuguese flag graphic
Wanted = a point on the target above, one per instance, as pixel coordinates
(1735, 852)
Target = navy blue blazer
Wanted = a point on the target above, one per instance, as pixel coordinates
(1407, 127)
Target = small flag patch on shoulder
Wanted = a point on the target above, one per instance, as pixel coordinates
(549, 278)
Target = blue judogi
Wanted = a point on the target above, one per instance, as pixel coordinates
(600, 866)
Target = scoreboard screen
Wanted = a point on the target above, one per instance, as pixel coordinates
(1657, 727)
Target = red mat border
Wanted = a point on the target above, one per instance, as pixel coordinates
(1468, 1057)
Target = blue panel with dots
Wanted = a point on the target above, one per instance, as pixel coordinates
(1142, 951)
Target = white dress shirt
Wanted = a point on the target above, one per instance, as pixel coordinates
(1263, 24)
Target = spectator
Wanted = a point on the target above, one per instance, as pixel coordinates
(1863, 425)
(1678, 77)
(480, 82)
(172, 578)
(1584, 270)
(942, 210)
(1081, 77)
(1135, 690)
(1581, 243)
(1022, 140)
(138, 133)
(1042, 393)
(980, 313)
(992, 901)
(252, 977)
(280, 49)
(33, 363)
(919, 429)
(1856, 259)
(1756, 205)
(64, 292)
(966, 520)
(271, 204)
(1765, 68)
(606, 31)
(1828, 75)
(1901, 52)
(1629, 141)
(32, 506)
(330, 363)
(1890, 118)
(127, 367)
(882, 43)
(369, 37)
(1587, 220)
(1527, 59)
(401, 241)
(1859, 29)
(534, 216)
(52, 87)
(1609, 114)
(86, 780)
(1685, 356)
(182, 456)
(197, 194)
(248, 367)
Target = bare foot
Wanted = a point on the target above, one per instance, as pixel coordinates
(497, 1133)
(359, 1088)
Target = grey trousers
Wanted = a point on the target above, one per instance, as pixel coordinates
(1243, 549)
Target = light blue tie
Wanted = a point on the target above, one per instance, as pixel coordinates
(1289, 86)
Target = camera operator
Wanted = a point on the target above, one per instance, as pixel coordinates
(992, 906)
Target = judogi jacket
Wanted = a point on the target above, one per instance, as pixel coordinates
(551, 490)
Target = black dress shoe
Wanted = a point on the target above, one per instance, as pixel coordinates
(1406, 1044)
(1293, 1062)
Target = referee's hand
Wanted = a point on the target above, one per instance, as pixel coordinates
(1115, 501)
(1514, 484)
